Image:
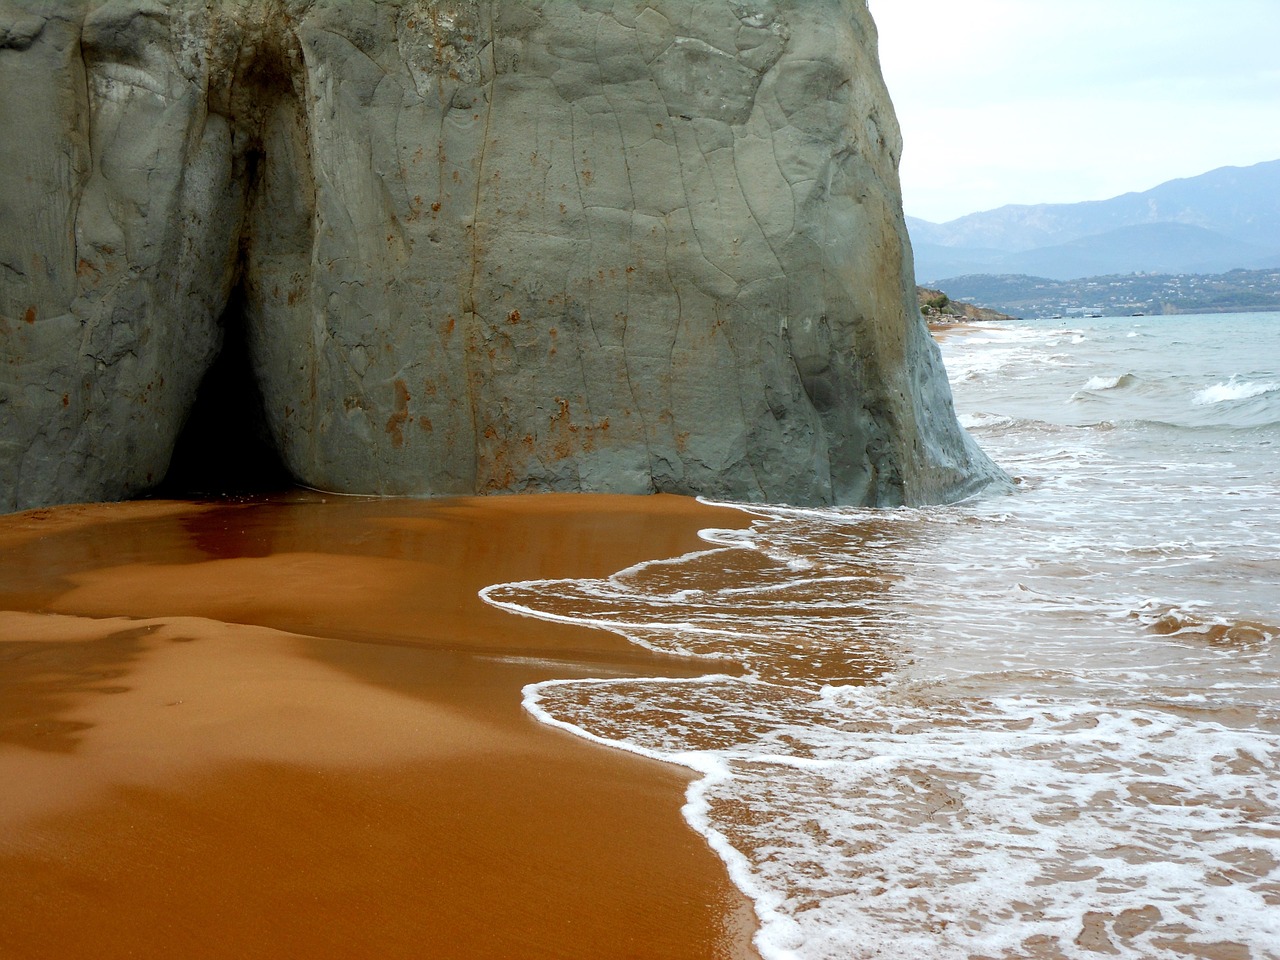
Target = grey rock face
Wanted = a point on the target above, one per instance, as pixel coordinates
(483, 245)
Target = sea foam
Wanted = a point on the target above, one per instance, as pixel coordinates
(896, 817)
(1110, 383)
(1233, 389)
(1040, 725)
(936, 817)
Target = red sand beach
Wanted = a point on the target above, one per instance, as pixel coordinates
(290, 727)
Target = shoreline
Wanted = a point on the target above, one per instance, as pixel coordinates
(264, 728)
(961, 326)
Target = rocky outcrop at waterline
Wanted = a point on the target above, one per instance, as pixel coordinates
(938, 308)
(464, 246)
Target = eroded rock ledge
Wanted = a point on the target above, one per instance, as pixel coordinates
(478, 245)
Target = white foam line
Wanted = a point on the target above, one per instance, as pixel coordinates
(532, 702)
(353, 496)
(774, 924)
(750, 509)
(696, 809)
(644, 565)
(779, 511)
(621, 627)
(787, 585)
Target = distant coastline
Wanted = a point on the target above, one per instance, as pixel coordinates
(1237, 291)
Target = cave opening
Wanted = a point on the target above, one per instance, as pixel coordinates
(225, 448)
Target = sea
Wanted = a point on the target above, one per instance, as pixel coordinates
(1044, 722)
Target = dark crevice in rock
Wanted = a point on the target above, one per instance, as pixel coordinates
(399, 177)
(225, 448)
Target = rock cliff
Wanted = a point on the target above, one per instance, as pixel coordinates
(468, 246)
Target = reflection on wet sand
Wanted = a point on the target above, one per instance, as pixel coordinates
(291, 728)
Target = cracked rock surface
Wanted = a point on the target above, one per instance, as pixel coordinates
(481, 245)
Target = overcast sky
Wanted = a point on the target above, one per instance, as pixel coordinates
(1047, 101)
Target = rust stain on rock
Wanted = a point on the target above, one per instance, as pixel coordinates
(494, 461)
(399, 414)
(30, 315)
(568, 439)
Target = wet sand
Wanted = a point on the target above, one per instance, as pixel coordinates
(291, 728)
(939, 330)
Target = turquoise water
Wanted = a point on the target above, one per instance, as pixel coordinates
(1039, 724)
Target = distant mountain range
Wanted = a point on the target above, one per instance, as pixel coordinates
(1222, 220)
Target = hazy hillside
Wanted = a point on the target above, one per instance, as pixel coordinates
(1218, 221)
(1144, 247)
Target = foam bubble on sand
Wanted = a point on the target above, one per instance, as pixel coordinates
(899, 818)
(1018, 827)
